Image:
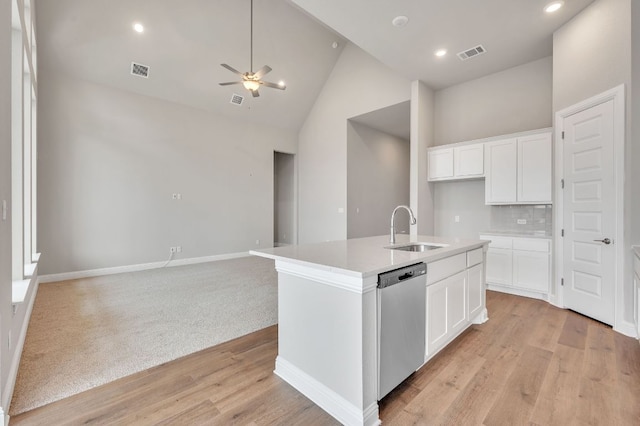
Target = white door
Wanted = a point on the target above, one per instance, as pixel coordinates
(589, 218)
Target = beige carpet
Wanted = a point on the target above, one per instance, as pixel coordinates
(87, 332)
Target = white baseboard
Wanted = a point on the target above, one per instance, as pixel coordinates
(134, 268)
(627, 328)
(334, 404)
(518, 292)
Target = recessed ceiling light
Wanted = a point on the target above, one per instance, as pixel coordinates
(552, 7)
(400, 21)
(441, 52)
(281, 83)
(138, 27)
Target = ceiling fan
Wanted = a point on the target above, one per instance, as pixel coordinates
(252, 80)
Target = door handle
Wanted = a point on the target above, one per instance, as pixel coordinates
(605, 240)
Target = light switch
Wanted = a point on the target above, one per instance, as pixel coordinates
(456, 218)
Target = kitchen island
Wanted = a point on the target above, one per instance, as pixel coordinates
(328, 313)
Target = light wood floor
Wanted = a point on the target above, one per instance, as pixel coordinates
(530, 364)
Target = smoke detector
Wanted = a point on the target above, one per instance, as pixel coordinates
(470, 53)
(237, 99)
(139, 70)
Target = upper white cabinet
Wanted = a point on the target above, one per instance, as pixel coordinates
(534, 169)
(458, 162)
(500, 179)
(518, 170)
(441, 164)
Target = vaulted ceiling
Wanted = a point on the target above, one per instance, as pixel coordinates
(185, 41)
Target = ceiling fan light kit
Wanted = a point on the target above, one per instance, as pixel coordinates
(252, 80)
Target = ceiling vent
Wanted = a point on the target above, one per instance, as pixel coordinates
(237, 99)
(470, 53)
(139, 70)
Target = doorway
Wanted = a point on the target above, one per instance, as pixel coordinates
(589, 206)
(283, 199)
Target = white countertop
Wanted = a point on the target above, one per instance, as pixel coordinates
(521, 234)
(362, 257)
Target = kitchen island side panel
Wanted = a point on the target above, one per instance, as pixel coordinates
(328, 333)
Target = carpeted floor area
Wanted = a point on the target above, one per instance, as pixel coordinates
(87, 332)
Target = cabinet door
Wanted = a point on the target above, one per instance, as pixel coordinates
(474, 280)
(534, 169)
(468, 161)
(446, 310)
(436, 316)
(499, 266)
(440, 163)
(531, 270)
(500, 171)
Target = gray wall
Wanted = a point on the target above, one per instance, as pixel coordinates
(591, 54)
(509, 101)
(634, 157)
(358, 84)
(284, 196)
(377, 181)
(110, 161)
(5, 190)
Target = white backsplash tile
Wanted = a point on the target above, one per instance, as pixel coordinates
(522, 218)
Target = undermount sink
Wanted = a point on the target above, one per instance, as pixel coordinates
(419, 247)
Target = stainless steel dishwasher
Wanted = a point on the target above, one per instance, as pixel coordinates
(401, 325)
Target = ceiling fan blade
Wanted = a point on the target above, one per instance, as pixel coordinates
(273, 85)
(230, 83)
(262, 71)
(254, 93)
(230, 68)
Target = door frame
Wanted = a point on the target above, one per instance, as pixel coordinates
(617, 95)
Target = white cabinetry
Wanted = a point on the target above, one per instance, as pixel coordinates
(501, 173)
(441, 164)
(455, 297)
(519, 265)
(518, 170)
(458, 162)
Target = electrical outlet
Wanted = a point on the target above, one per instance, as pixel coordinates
(179, 249)
(257, 242)
(456, 218)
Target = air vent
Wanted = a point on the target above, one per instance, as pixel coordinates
(139, 70)
(470, 53)
(237, 99)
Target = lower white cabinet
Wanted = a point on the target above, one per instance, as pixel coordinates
(519, 265)
(475, 280)
(446, 310)
(455, 297)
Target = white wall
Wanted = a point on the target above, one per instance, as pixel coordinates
(510, 101)
(634, 157)
(110, 161)
(592, 54)
(5, 190)
(358, 84)
(377, 181)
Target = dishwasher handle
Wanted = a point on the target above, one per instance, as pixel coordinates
(387, 279)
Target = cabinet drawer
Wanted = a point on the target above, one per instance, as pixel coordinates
(444, 268)
(474, 257)
(498, 242)
(532, 244)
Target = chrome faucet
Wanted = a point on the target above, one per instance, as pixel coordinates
(412, 221)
